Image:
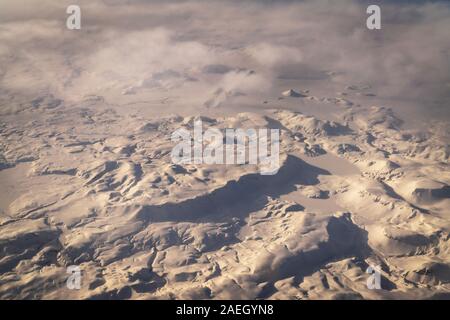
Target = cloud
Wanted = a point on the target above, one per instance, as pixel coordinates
(122, 43)
(135, 56)
(270, 55)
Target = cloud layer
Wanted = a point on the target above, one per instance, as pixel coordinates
(122, 44)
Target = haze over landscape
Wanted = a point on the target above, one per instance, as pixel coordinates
(87, 178)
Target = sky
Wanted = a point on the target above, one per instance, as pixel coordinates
(164, 45)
